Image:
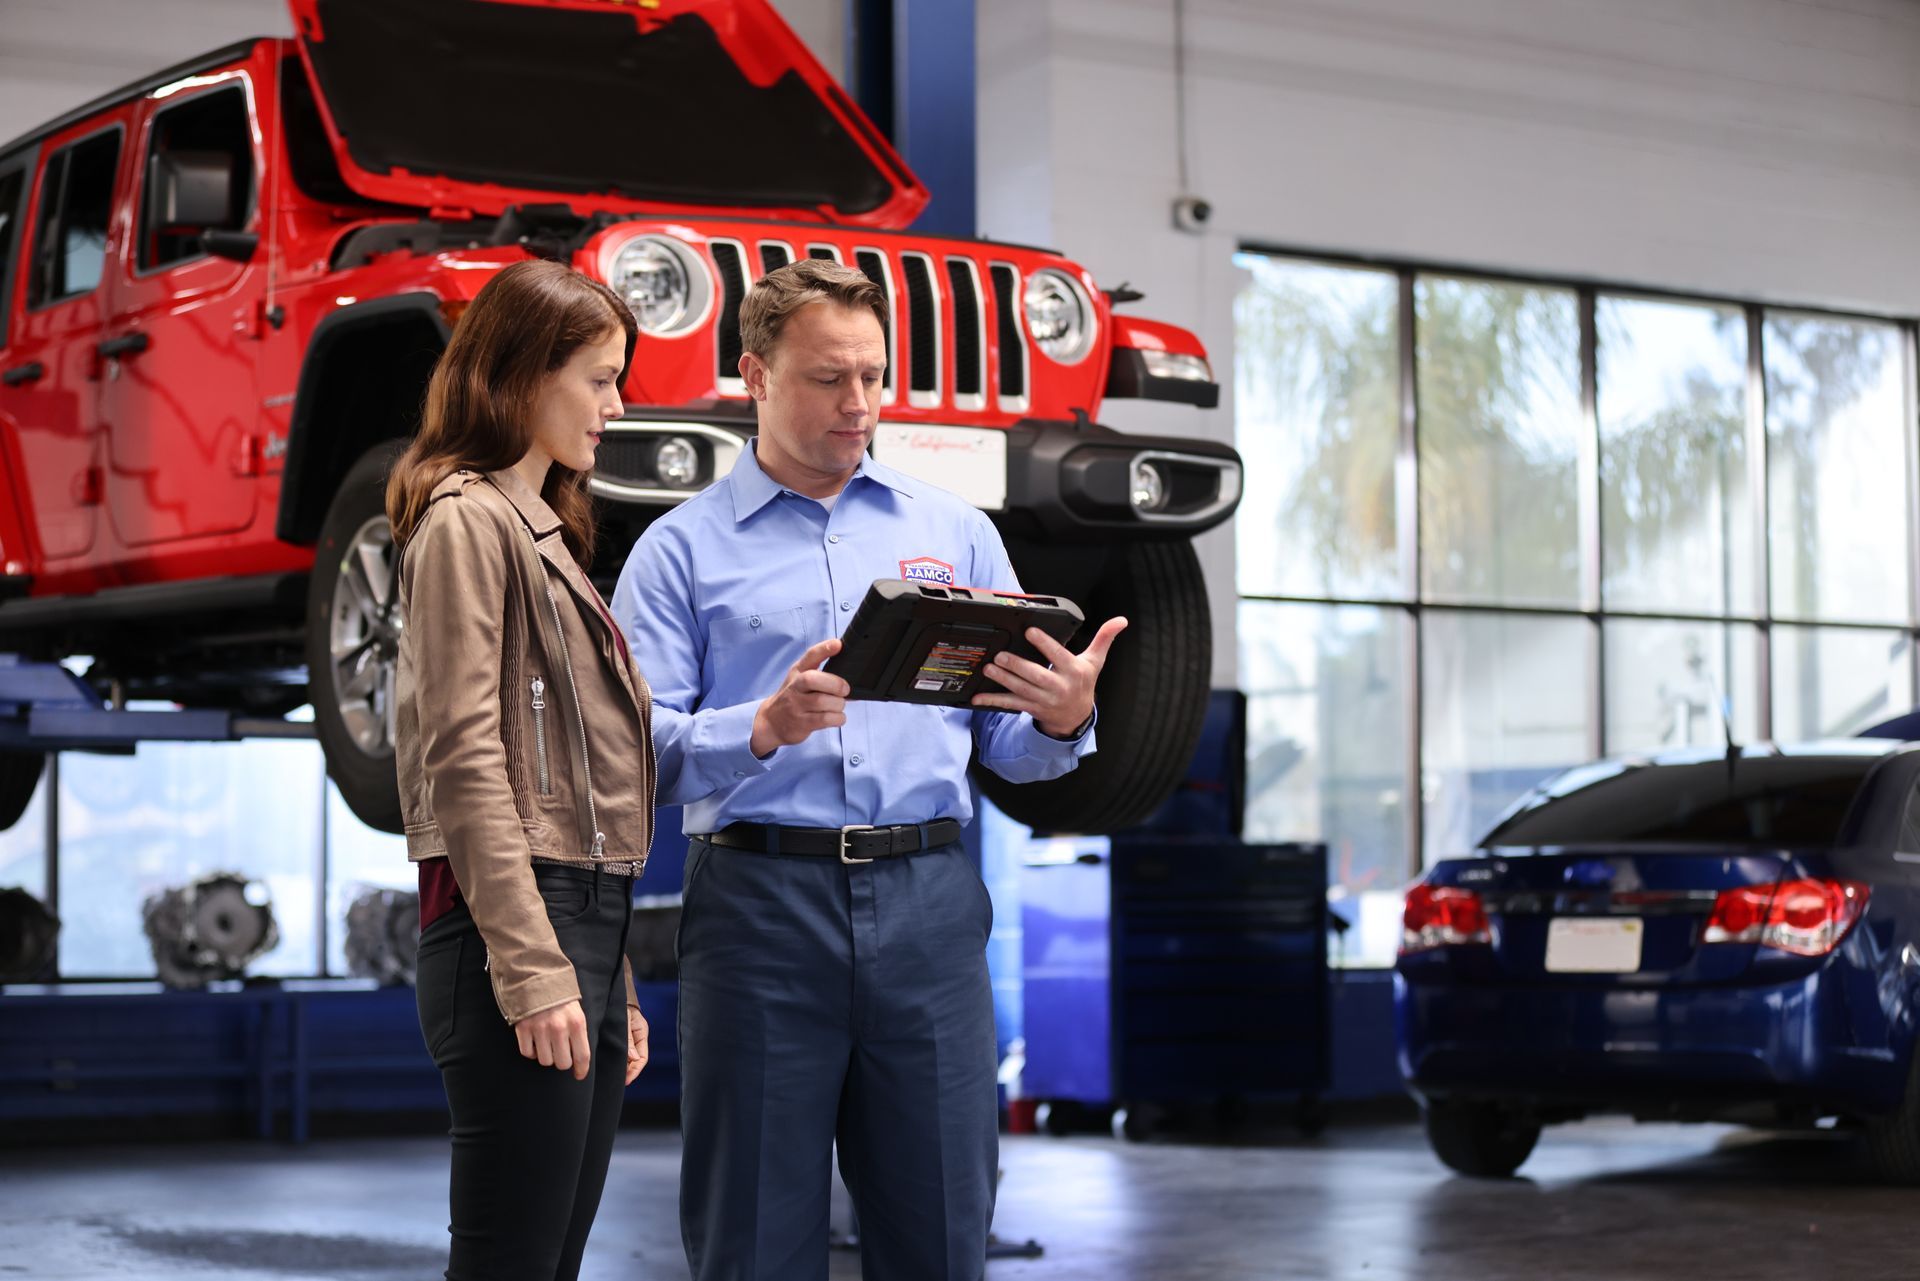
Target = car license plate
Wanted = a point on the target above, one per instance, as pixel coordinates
(1594, 945)
(968, 461)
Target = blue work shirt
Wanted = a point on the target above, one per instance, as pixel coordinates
(722, 595)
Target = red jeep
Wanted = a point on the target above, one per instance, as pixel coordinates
(222, 290)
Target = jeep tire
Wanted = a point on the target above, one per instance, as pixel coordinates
(1152, 697)
(353, 637)
(19, 778)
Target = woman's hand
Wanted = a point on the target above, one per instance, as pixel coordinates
(557, 1038)
(636, 1042)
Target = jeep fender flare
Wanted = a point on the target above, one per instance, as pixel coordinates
(361, 382)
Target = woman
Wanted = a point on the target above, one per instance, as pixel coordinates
(526, 766)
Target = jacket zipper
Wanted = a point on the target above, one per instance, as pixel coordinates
(539, 688)
(586, 765)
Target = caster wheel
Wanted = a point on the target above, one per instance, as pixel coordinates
(1134, 1123)
(1057, 1119)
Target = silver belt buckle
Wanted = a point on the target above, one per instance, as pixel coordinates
(853, 827)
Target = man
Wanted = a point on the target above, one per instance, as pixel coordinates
(823, 996)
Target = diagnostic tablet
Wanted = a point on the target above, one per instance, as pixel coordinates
(920, 643)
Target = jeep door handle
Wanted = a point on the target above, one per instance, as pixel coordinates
(31, 372)
(125, 345)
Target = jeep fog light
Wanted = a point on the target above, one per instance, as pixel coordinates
(662, 282)
(1168, 364)
(1149, 487)
(677, 462)
(1059, 316)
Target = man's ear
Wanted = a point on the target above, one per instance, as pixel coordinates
(753, 371)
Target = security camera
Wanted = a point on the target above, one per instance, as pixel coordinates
(1191, 213)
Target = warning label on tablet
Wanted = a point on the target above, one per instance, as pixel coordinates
(948, 667)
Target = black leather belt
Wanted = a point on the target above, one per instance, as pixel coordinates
(855, 844)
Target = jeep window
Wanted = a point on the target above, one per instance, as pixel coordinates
(197, 137)
(13, 191)
(76, 202)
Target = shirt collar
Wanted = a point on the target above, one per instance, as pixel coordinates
(754, 489)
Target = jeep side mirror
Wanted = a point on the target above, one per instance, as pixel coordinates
(236, 245)
(189, 191)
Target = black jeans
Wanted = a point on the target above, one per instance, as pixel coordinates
(530, 1143)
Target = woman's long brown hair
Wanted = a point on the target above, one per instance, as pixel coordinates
(523, 326)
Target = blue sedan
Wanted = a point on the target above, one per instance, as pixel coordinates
(1696, 935)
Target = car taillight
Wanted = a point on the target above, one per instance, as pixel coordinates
(1441, 916)
(1805, 917)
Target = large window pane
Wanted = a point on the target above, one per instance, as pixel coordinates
(23, 847)
(1326, 749)
(133, 825)
(359, 859)
(1326, 734)
(1836, 469)
(1837, 681)
(1317, 411)
(1499, 422)
(1676, 515)
(1503, 705)
(1667, 683)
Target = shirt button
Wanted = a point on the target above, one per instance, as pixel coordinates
(754, 621)
(739, 773)
(833, 538)
(844, 605)
(856, 760)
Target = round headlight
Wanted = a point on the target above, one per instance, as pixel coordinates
(1059, 315)
(662, 282)
(677, 462)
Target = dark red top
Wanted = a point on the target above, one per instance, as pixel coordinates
(438, 890)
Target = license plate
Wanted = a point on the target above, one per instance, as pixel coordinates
(968, 461)
(1583, 945)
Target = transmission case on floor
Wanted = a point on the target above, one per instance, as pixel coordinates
(919, 643)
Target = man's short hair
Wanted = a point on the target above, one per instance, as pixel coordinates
(780, 293)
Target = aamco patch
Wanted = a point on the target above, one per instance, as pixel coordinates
(925, 569)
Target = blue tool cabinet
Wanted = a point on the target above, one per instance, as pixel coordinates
(1176, 971)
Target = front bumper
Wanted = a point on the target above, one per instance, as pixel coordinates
(1069, 481)
(1636, 1049)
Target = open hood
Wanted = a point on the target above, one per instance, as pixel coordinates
(619, 104)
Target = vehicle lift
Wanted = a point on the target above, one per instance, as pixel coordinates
(46, 708)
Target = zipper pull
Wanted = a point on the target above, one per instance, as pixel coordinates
(599, 844)
(539, 694)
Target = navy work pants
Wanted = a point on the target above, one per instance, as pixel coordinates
(824, 1003)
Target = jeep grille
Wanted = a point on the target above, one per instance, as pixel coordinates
(940, 306)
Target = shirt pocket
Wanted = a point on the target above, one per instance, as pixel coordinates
(750, 650)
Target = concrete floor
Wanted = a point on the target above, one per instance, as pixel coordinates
(1604, 1200)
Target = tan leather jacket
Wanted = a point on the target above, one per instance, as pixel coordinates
(522, 727)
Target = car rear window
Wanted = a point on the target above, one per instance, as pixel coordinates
(1768, 801)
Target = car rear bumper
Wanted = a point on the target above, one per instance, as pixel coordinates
(1598, 1048)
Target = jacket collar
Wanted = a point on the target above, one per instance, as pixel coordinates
(754, 489)
(533, 509)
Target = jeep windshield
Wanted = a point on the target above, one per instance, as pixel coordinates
(1770, 802)
(481, 104)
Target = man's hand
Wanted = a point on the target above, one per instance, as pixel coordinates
(808, 700)
(636, 1042)
(557, 1038)
(1059, 698)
